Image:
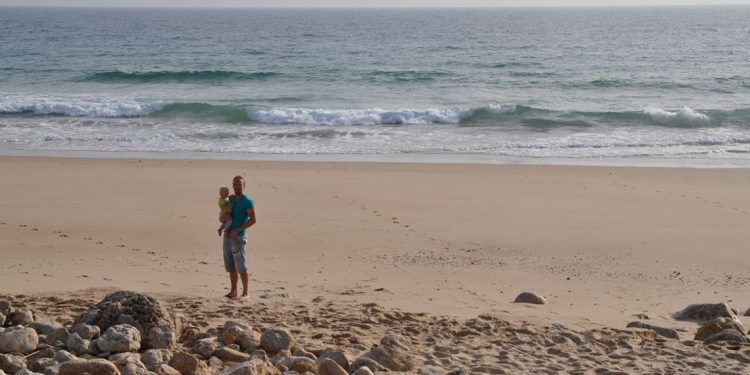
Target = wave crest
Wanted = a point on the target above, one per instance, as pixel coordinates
(76, 107)
(177, 76)
(685, 117)
(375, 116)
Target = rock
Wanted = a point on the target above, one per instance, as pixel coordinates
(26, 372)
(22, 340)
(119, 339)
(275, 340)
(718, 325)
(364, 370)
(64, 356)
(86, 331)
(5, 310)
(158, 329)
(39, 364)
(188, 334)
(705, 312)
(45, 328)
(337, 355)
(230, 355)
(528, 297)
(11, 363)
(366, 363)
(205, 347)
(327, 366)
(299, 364)
(122, 360)
(237, 323)
(92, 367)
(188, 364)
(274, 294)
(43, 353)
(58, 335)
(248, 340)
(252, 367)
(299, 352)
(726, 335)
(20, 317)
(165, 369)
(78, 346)
(392, 353)
(231, 335)
(661, 331)
(152, 358)
(133, 369)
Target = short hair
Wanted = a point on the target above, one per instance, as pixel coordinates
(224, 188)
(240, 178)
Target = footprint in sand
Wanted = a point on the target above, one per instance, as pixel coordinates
(64, 235)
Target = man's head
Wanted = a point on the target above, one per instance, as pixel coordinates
(238, 184)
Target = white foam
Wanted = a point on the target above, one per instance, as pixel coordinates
(374, 116)
(502, 109)
(77, 106)
(685, 116)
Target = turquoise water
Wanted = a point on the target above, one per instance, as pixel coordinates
(531, 83)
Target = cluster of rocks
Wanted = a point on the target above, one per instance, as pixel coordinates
(132, 334)
(718, 322)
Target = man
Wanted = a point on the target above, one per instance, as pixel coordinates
(243, 217)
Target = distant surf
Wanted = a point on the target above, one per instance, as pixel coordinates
(203, 76)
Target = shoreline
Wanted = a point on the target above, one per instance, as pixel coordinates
(411, 158)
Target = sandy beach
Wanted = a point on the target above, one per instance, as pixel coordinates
(603, 245)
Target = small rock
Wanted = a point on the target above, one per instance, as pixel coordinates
(248, 340)
(237, 323)
(93, 366)
(20, 317)
(364, 370)
(22, 340)
(718, 325)
(230, 355)
(337, 355)
(299, 364)
(78, 345)
(5, 310)
(705, 312)
(327, 366)
(58, 335)
(134, 369)
(528, 297)
(165, 369)
(299, 352)
(152, 358)
(392, 353)
(39, 364)
(725, 335)
(252, 367)
(205, 347)
(275, 340)
(11, 363)
(119, 339)
(64, 356)
(666, 332)
(44, 328)
(364, 362)
(187, 363)
(86, 331)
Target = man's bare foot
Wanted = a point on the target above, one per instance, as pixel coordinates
(245, 295)
(231, 295)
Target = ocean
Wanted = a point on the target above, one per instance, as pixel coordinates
(529, 83)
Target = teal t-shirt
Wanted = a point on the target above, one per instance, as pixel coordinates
(239, 211)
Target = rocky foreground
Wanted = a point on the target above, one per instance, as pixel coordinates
(133, 334)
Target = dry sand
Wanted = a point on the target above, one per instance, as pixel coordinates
(602, 244)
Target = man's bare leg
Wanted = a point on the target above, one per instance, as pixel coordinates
(233, 282)
(244, 284)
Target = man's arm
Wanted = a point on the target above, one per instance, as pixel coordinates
(247, 224)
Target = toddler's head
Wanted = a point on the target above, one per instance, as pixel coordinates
(223, 191)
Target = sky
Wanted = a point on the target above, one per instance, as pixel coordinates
(360, 3)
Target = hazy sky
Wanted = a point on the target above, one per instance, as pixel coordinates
(360, 3)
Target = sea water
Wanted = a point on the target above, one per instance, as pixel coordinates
(583, 83)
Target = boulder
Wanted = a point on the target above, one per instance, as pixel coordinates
(91, 367)
(275, 340)
(661, 331)
(337, 355)
(158, 329)
(327, 366)
(529, 297)
(703, 312)
(12, 363)
(248, 340)
(716, 326)
(392, 353)
(22, 340)
(45, 328)
(20, 317)
(726, 335)
(252, 367)
(58, 335)
(230, 355)
(119, 339)
(188, 364)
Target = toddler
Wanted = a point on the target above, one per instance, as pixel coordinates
(225, 210)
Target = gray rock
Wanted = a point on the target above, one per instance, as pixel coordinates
(58, 335)
(12, 363)
(230, 355)
(92, 367)
(299, 352)
(157, 327)
(327, 366)
(661, 331)
(78, 346)
(705, 312)
(5, 310)
(337, 355)
(152, 358)
(42, 353)
(123, 359)
(252, 367)
(18, 340)
(275, 340)
(205, 347)
(20, 317)
(363, 371)
(39, 364)
(26, 372)
(239, 324)
(299, 364)
(364, 362)
(187, 363)
(726, 335)
(64, 356)
(119, 339)
(165, 369)
(718, 325)
(529, 297)
(133, 369)
(86, 331)
(248, 340)
(392, 353)
(45, 328)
